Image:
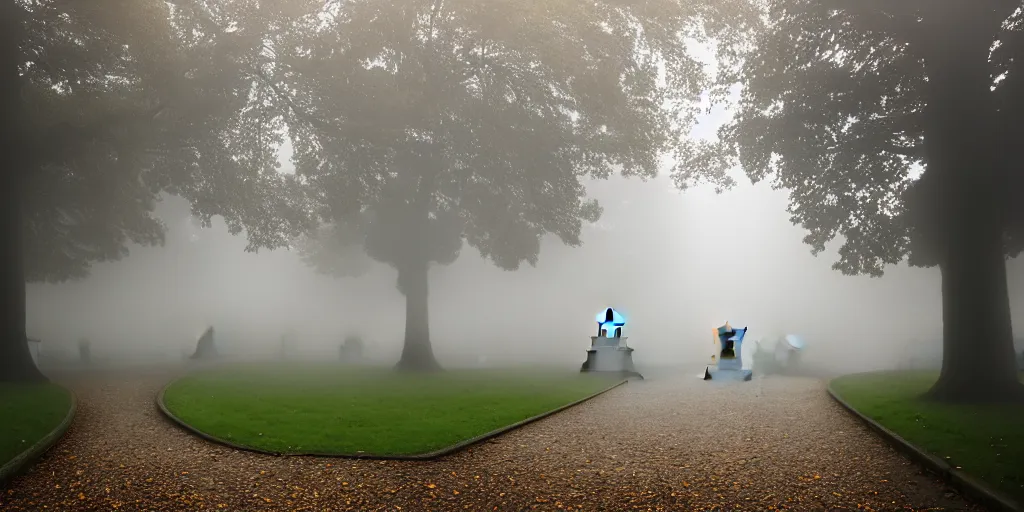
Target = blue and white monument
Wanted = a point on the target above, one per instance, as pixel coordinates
(608, 351)
(730, 355)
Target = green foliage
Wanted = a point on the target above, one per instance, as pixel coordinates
(833, 109)
(986, 441)
(397, 235)
(30, 412)
(327, 409)
(124, 99)
(482, 117)
(335, 249)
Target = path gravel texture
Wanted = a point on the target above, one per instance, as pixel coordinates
(671, 443)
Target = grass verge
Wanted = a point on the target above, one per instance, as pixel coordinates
(328, 409)
(985, 441)
(30, 412)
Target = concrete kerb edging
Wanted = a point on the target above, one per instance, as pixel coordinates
(963, 482)
(25, 459)
(419, 457)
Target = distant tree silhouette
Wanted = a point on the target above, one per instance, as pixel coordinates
(842, 99)
(336, 249)
(101, 109)
(428, 123)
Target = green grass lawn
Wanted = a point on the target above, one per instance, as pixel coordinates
(984, 441)
(29, 412)
(338, 410)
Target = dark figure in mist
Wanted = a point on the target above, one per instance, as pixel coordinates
(204, 347)
(352, 349)
(84, 350)
(287, 340)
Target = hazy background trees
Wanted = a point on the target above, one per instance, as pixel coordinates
(103, 107)
(900, 139)
(422, 124)
(409, 130)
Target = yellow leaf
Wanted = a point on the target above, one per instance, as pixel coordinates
(431, 486)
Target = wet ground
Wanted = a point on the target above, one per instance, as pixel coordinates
(671, 442)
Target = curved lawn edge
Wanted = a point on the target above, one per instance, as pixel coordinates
(27, 458)
(436, 454)
(966, 484)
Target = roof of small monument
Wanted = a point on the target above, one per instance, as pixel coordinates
(617, 318)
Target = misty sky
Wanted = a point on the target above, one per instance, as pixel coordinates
(676, 264)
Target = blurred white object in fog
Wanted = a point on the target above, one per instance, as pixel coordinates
(795, 342)
(787, 347)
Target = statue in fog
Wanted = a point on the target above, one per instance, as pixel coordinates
(352, 349)
(205, 348)
(84, 350)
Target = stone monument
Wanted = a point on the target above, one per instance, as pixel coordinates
(608, 350)
(730, 355)
(205, 348)
(351, 351)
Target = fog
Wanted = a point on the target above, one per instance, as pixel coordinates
(675, 263)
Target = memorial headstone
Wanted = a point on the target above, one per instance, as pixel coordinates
(205, 349)
(351, 351)
(608, 351)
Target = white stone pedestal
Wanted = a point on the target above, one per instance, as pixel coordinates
(610, 355)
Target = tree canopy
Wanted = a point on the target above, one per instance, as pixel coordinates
(432, 123)
(844, 102)
(335, 249)
(103, 106)
(496, 114)
(833, 109)
(123, 100)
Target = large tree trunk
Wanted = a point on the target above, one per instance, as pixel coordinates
(15, 359)
(417, 354)
(961, 143)
(16, 362)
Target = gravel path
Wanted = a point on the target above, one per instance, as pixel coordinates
(674, 444)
